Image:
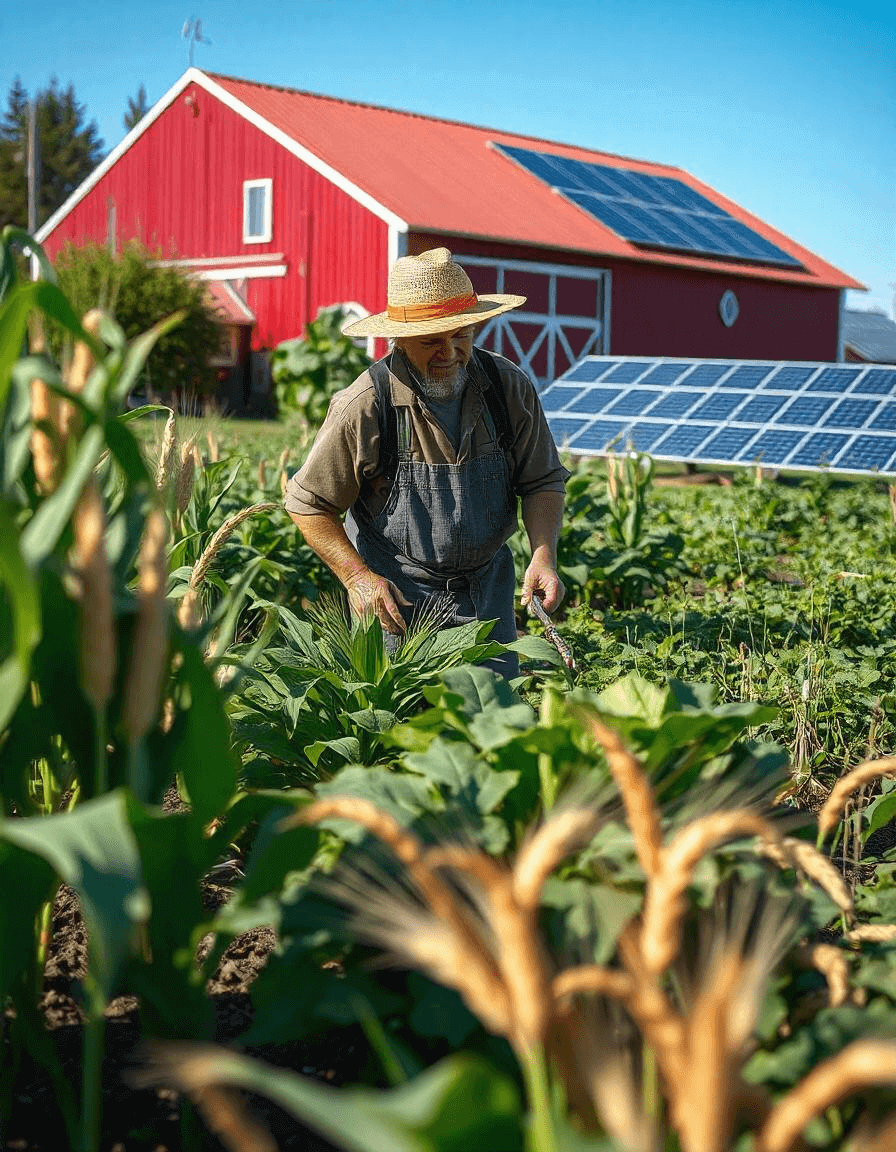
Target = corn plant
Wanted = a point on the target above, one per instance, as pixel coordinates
(104, 701)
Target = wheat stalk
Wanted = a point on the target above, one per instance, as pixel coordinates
(637, 795)
(659, 1023)
(189, 615)
(863, 774)
(831, 963)
(702, 1101)
(520, 957)
(213, 453)
(78, 373)
(863, 1064)
(201, 1072)
(467, 965)
(872, 933)
(183, 488)
(802, 856)
(592, 979)
(44, 445)
(205, 561)
(664, 902)
(168, 455)
(561, 834)
(149, 646)
(98, 650)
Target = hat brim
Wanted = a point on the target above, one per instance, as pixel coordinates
(381, 324)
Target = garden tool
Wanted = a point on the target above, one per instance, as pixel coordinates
(552, 634)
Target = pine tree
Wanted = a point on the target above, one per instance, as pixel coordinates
(69, 150)
(137, 108)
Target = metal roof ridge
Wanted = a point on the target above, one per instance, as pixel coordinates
(485, 128)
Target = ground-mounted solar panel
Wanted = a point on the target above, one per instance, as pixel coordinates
(799, 416)
(653, 211)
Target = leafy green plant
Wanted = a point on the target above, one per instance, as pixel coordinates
(307, 372)
(334, 690)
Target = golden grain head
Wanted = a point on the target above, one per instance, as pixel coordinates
(865, 773)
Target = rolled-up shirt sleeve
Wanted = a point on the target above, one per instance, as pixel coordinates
(344, 454)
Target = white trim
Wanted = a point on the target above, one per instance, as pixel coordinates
(195, 76)
(191, 75)
(398, 244)
(263, 271)
(213, 261)
(267, 224)
(298, 150)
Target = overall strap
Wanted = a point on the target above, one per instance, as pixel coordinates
(495, 399)
(387, 417)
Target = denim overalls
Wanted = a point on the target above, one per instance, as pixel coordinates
(443, 530)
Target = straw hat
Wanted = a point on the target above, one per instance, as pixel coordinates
(430, 293)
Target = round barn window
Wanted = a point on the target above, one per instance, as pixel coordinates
(729, 309)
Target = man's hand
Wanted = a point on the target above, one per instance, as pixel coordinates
(541, 580)
(368, 592)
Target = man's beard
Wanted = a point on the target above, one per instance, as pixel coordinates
(443, 387)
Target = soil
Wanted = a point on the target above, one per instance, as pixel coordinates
(149, 1120)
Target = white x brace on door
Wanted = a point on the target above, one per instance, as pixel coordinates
(566, 318)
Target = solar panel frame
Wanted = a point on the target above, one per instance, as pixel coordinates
(735, 412)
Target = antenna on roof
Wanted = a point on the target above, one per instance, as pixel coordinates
(192, 32)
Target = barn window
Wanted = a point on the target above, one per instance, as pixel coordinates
(257, 215)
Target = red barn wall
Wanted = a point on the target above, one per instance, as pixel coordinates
(179, 189)
(666, 311)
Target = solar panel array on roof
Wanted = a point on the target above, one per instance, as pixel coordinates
(800, 416)
(656, 211)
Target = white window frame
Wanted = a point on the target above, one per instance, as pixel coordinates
(552, 323)
(268, 185)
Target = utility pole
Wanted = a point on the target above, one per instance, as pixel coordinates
(33, 177)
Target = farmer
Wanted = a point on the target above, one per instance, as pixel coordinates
(426, 454)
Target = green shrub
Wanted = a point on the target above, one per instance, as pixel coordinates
(139, 294)
(309, 371)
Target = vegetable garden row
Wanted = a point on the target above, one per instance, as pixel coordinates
(646, 907)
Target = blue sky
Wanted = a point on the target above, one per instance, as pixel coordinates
(786, 106)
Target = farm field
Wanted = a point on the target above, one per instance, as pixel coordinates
(648, 907)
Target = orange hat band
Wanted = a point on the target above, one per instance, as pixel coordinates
(414, 312)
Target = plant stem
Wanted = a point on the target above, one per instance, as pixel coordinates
(92, 1084)
(100, 765)
(548, 783)
(541, 1135)
(649, 1085)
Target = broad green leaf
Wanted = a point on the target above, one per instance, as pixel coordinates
(19, 237)
(346, 748)
(135, 357)
(33, 882)
(202, 753)
(459, 1105)
(404, 797)
(633, 696)
(592, 916)
(24, 602)
(93, 849)
(879, 813)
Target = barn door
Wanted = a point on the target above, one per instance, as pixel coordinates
(565, 317)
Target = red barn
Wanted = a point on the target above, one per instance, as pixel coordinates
(296, 202)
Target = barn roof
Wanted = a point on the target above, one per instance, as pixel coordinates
(871, 335)
(426, 174)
